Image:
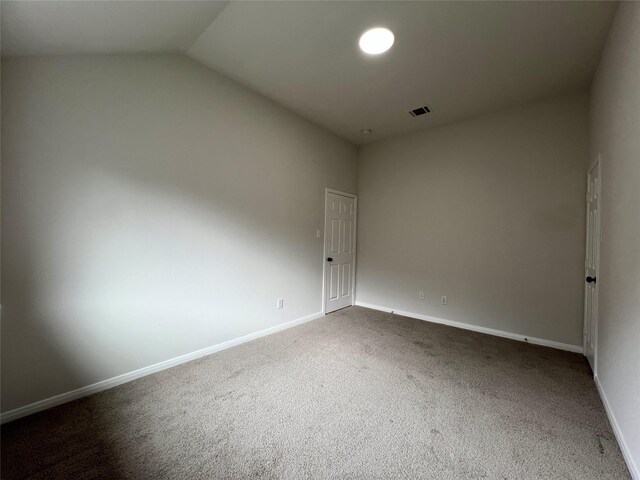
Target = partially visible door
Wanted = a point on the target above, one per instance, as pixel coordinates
(339, 249)
(591, 265)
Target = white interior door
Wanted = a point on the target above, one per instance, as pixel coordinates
(591, 265)
(340, 250)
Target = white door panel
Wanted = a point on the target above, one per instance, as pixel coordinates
(334, 275)
(592, 258)
(340, 224)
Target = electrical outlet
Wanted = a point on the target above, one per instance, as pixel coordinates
(318, 233)
(421, 295)
(443, 300)
(280, 304)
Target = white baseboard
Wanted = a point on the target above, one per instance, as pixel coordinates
(624, 448)
(143, 372)
(475, 328)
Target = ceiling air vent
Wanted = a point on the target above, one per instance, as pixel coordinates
(419, 111)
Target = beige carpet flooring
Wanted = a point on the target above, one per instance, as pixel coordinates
(358, 394)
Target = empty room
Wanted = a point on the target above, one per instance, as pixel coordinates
(320, 240)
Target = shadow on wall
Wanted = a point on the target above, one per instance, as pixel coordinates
(150, 209)
(116, 277)
(76, 443)
(113, 270)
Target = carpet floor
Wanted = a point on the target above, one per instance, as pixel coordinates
(358, 394)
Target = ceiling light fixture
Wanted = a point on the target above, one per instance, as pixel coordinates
(376, 41)
(366, 131)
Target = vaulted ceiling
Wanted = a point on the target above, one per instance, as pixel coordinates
(460, 58)
(63, 27)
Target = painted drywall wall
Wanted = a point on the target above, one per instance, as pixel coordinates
(488, 212)
(150, 208)
(615, 135)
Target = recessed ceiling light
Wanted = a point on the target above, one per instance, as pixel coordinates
(376, 41)
(366, 131)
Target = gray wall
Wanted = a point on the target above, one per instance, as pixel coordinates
(615, 128)
(150, 208)
(489, 212)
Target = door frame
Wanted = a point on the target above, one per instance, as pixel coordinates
(598, 165)
(327, 191)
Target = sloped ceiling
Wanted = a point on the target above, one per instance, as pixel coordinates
(107, 26)
(460, 58)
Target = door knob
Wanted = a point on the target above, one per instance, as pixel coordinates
(591, 279)
(329, 259)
